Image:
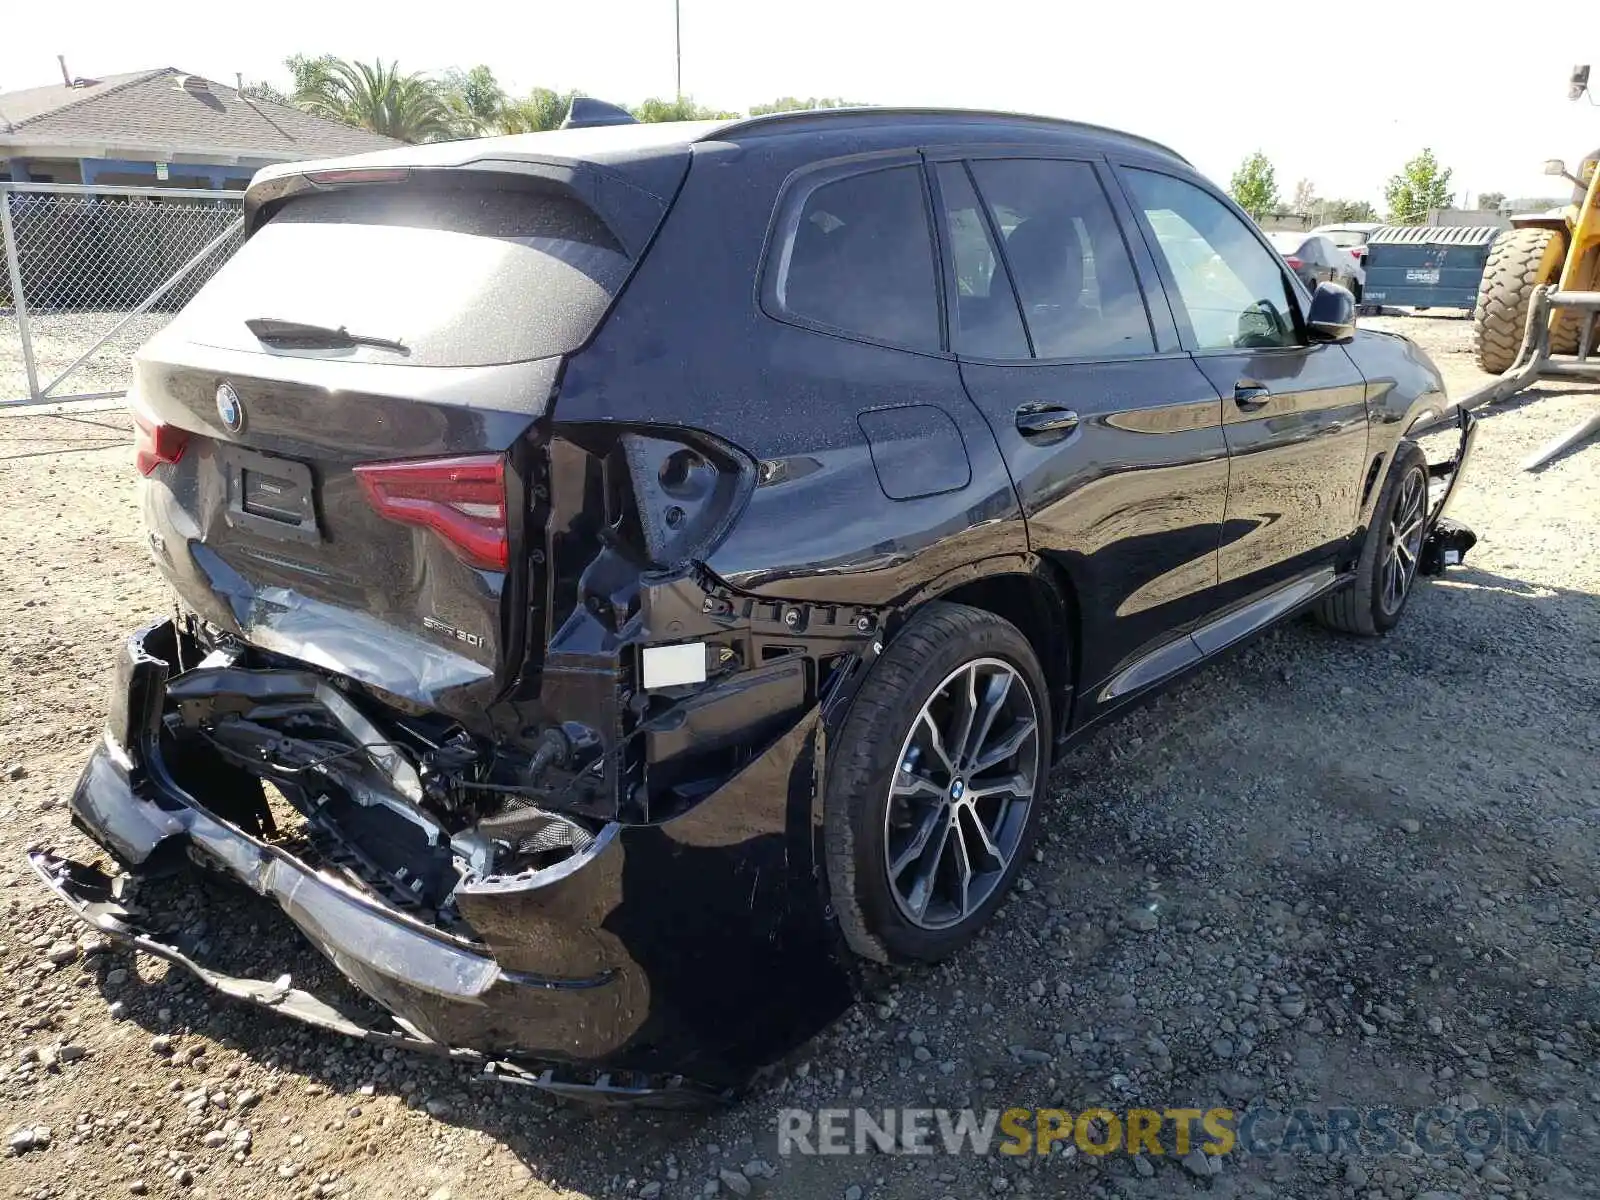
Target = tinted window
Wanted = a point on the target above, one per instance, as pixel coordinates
(463, 277)
(861, 260)
(1067, 258)
(984, 321)
(1232, 286)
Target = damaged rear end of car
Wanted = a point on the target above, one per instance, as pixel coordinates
(450, 682)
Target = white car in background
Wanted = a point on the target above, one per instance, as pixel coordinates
(1351, 236)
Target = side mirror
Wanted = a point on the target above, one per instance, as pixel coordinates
(1554, 166)
(1333, 314)
(1578, 82)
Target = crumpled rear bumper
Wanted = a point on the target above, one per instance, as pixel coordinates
(1446, 542)
(664, 962)
(95, 897)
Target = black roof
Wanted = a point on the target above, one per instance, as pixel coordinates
(636, 143)
(651, 157)
(966, 121)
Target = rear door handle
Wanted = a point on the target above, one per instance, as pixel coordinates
(1249, 395)
(1040, 420)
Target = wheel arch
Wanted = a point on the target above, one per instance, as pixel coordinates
(1035, 595)
(1425, 412)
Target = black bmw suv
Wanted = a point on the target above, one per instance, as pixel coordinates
(625, 570)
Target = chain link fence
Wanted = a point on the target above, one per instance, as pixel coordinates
(92, 272)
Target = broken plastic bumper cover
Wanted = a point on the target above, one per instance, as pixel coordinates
(664, 963)
(1448, 541)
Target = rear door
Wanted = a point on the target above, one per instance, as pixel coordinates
(1112, 434)
(1294, 412)
(348, 407)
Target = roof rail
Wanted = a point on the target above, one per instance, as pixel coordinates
(802, 116)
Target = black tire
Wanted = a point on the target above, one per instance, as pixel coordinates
(937, 642)
(1361, 607)
(1519, 261)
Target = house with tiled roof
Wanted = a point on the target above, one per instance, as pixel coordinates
(161, 127)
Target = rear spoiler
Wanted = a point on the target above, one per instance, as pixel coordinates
(631, 208)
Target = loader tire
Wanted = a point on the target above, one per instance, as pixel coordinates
(1520, 260)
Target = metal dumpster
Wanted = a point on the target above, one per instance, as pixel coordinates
(1427, 266)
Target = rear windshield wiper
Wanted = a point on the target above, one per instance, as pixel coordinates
(299, 335)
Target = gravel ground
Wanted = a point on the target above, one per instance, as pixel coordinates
(1323, 872)
(60, 337)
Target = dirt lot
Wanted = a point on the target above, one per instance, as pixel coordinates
(1324, 872)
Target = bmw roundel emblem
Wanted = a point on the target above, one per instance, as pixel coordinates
(229, 408)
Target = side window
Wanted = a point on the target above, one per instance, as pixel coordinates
(1232, 286)
(1067, 259)
(984, 321)
(861, 260)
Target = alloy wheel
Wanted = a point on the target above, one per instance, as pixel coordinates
(1403, 540)
(963, 784)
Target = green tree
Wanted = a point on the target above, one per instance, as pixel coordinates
(682, 109)
(475, 100)
(1340, 212)
(1422, 184)
(409, 107)
(264, 91)
(1491, 201)
(1255, 186)
(791, 104)
(305, 69)
(539, 110)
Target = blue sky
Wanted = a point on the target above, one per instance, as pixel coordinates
(1342, 101)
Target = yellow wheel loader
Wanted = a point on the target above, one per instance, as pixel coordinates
(1561, 247)
(1540, 294)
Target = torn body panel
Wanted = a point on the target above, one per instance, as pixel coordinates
(1447, 541)
(558, 859)
(621, 955)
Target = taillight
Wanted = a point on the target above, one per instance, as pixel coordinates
(155, 442)
(1294, 263)
(463, 500)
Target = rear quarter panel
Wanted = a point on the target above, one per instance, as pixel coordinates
(688, 345)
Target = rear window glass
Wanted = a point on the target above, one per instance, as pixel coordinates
(860, 260)
(460, 277)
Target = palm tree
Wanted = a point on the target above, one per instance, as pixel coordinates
(407, 107)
